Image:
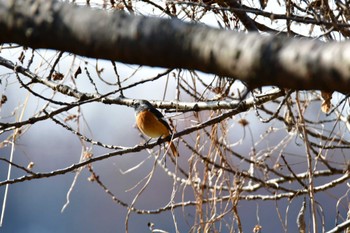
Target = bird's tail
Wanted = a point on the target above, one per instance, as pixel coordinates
(173, 149)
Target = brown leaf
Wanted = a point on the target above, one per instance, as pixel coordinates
(3, 99)
(30, 165)
(326, 101)
(243, 122)
(77, 72)
(57, 76)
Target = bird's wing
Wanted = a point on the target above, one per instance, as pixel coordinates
(161, 118)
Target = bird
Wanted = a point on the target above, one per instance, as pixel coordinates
(152, 123)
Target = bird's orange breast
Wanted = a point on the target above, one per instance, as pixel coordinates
(150, 125)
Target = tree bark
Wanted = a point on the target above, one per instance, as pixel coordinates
(255, 59)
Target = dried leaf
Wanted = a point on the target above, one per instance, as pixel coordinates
(70, 117)
(77, 72)
(289, 120)
(30, 165)
(21, 57)
(57, 76)
(243, 122)
(263, 3)
(3, 99)
(326, 101)
(257, 228)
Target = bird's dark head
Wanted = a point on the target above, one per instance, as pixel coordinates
(142, 105)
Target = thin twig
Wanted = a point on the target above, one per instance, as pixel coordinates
(311, 190)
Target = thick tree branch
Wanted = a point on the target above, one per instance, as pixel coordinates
(257, 60)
